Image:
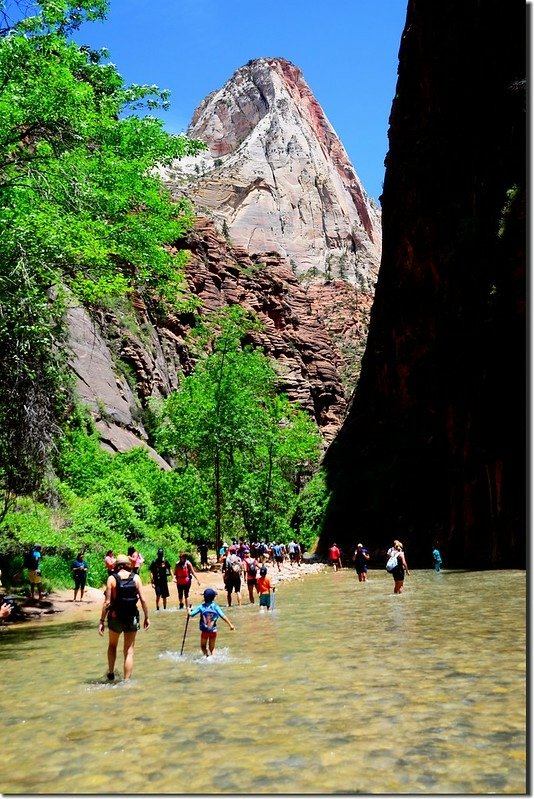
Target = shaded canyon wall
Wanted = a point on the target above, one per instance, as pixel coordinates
(434, 445)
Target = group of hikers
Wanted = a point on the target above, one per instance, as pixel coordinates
(239, 561)
(124, 591)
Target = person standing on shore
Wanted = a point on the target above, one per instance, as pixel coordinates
(436, 557)
(360, 558)
(160, 570)
(33, 564)
(109, 560)
(79, 572)
(209, 612)
(123, 591)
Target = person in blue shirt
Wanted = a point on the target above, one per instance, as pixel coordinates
(436, 556)
(360, 558)
(79, 572)
(209, 612)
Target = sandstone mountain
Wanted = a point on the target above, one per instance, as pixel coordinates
(277, 177)
(284, 228)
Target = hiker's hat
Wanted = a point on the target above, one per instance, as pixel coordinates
(123, 560)
(209, 594)
(360, 545)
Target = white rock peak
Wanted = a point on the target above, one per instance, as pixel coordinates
(277, 178)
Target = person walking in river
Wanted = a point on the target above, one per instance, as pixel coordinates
(124, 590)
(231, 569)
(360, 558)
(399, 568)
(79, 572)
(160, 571)
(436, 557)
(209, 612)
(183, 574)
(251, 571)
(264, 587)
(334, 556)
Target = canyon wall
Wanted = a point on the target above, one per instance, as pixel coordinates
(435, 443)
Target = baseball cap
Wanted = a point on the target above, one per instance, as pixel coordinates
(209, 594)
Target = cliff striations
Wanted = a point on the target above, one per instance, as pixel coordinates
(434, 446)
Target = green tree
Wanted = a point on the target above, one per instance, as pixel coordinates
(250, 444)
(81, 209)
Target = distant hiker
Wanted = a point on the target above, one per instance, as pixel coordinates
(123, 590)
(32, 563)
(232, 568)
(160, 571)
(183, 574)
(223, 552)
(334, 556)
(210, 612)
(109, 560)
(264, 587)
(278, 554)
(436, 557)
(360, 558)
(397, 566)
(136, 559)
(203, 553)
(251, 571)
(79, 572)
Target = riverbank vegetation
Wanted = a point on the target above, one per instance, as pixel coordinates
(85, 219)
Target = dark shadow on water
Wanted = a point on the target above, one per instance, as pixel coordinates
(14, 639)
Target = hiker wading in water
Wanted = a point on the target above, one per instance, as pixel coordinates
(123, 591)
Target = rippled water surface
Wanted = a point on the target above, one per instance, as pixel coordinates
(345, 687)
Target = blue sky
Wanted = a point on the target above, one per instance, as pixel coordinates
(347, 51)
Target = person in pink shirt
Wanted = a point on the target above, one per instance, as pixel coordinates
(136, 559)
(110, 561)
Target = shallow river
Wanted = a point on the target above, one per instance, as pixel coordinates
(344, 688)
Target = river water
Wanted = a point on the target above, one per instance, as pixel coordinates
(343, 688)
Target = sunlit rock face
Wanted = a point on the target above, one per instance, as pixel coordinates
(433, 449)
(277, 178)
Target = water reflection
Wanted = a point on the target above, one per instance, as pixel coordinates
(344, 688)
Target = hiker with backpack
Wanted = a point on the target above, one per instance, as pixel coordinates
(251, 571)
(209, 612)
(183, 575)
(397, 566)
(160, 570)
(32, 563)
(124, 590)
(232, 568)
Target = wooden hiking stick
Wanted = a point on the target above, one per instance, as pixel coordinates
(185, 633)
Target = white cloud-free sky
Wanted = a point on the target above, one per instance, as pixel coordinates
(347, 51)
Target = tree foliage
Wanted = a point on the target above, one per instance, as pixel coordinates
(81, 207)
(250, 444)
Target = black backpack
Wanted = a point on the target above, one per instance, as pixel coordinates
(252, 569)
(30, 561)
(125, 604)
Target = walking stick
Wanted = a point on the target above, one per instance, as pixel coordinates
(185, 633)
(272, 603)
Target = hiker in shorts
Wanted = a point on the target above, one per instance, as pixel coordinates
(360, 558)
(136, 559)
(264, 587)
(251, 571)
(232, 568)
(33, 564)
(160, 571)
(401, 567)
(124, 590)
(79, 572)
(210, 612)
(334, 557)
(183, 575)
